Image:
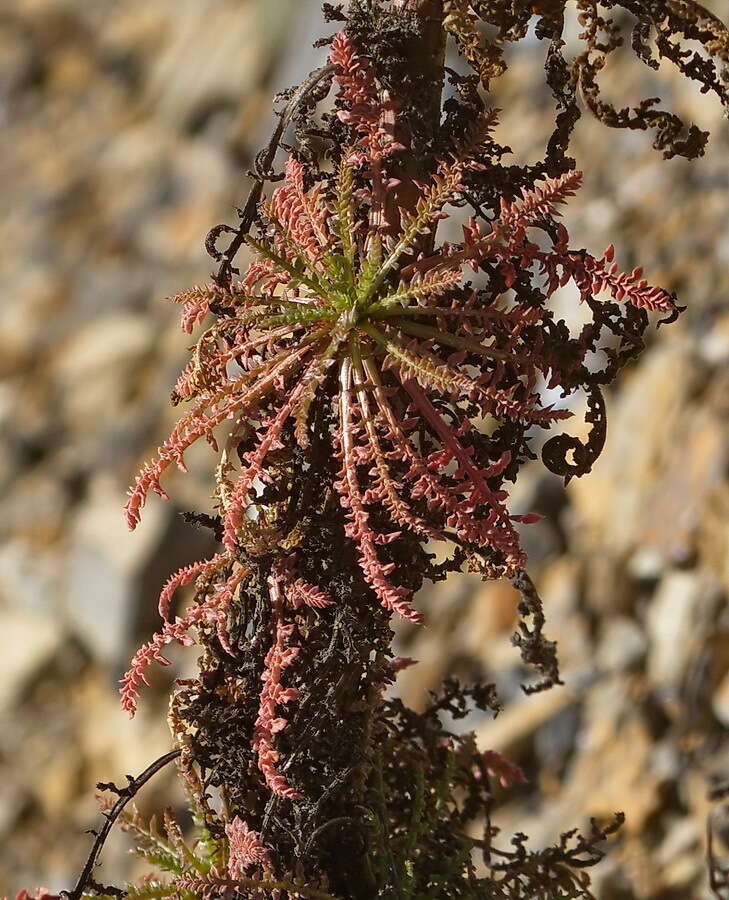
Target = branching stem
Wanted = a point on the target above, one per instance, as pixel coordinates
(124, 796)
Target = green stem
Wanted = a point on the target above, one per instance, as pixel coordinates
(296, 273)
(460, 343)
(379, 791)
(414, 831)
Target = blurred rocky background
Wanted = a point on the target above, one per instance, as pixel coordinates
(127, 129)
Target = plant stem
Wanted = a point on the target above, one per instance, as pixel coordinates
(124, 796)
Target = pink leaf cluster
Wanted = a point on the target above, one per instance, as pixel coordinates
(300, 213)
(196, 304)
(268, 721)
(213, 610)
(184, 576)
(606, 277)
(364, 107)
(245, 848)
(501, 768)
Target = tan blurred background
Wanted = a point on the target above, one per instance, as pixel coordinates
(127, 128)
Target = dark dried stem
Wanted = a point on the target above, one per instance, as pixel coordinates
(262, 173)
(125, 794)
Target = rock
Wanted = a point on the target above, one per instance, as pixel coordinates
(714, 345)
(29, 579)
(105, 566)
(29, 641)
(604, 777)
(646, 564)
(676, 620)
(559, 587)
(515, 726)
(612, 502)
(621, 645)
(720, 701)
(93, 368)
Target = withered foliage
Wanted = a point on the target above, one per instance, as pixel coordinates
(377, 398)
(681, 31)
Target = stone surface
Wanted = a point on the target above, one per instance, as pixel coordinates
(29, 641)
